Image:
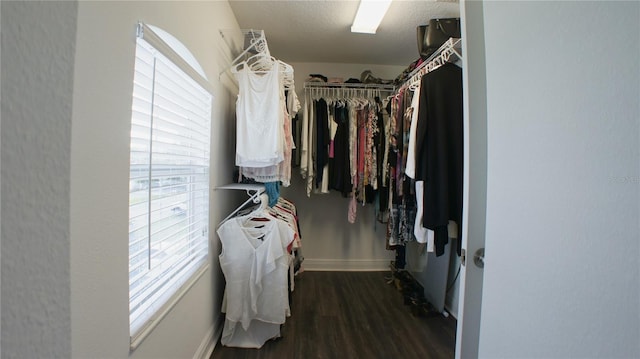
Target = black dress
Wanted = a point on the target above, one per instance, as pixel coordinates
(323, 137)
(340, 172)
(439, 151)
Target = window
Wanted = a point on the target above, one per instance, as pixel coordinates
(169, 177)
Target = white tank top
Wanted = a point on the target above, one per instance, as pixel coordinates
(258, 139)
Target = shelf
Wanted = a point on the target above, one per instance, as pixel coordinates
(249, 187)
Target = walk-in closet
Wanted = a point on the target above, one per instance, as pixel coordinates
(346, 151)
(274, 179)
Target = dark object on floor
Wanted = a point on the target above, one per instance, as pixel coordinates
(412, 293)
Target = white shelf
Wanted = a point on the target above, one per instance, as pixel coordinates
(249, 187)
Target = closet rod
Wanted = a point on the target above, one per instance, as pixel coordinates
(332, 85)
(451, 47)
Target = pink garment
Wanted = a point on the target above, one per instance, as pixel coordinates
(284, 167)
(371, 168)
(361, 143)
(352, 209)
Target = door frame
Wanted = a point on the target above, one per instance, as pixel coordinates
(475, 176)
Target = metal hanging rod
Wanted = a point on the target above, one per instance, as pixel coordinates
(451, 48)
(348, 85)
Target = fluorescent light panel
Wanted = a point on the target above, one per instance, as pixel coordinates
(370, 14)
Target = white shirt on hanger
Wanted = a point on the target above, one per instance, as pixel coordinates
(410, 168)
(255, 263)
(258, 111)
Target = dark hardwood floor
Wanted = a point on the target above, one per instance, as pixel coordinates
(352, 315)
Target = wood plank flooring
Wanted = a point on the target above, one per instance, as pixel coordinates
(352, 315)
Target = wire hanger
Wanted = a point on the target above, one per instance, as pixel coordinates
(257, 42)
(260, 211)
(253, 190)
(442, 56)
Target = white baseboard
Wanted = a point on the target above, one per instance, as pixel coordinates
(208, 343)
(346, 265)
(451, 312)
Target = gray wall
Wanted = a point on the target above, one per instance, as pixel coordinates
(38, 46)
(67, 80)
(563, 187)
(100, 160)
(475, 183)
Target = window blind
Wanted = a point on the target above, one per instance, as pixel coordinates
(169, 183)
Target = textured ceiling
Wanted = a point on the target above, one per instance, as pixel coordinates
(319, 31)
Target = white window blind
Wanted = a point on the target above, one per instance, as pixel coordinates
(169, 183)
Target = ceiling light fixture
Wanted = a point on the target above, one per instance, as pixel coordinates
(369, 15)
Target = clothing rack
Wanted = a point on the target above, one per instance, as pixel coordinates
(336, 90)
(451, 48)
(314, 84)
(428, 269)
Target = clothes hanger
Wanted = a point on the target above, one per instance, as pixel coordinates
(286, 72)
(261, 62)
(257, 43)
(259, 213)
(286, 204)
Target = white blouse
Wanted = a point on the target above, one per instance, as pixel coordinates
(254, 261)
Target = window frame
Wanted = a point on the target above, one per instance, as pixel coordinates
(173, 53)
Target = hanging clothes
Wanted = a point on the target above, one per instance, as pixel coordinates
(322, 140)
(307, 165)
(264, 111)
(255, 263)
(383, 155)
(340, 167)
(258, 123)
(439, 151)
(402, 204)
(341, 146)
(425, 156)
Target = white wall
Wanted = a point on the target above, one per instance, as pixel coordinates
(99, 175)
(329, 241)
(0, 198)
(38, 42)
(563, 188)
